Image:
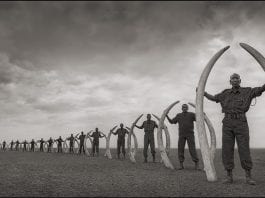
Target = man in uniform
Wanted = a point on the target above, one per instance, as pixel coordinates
(71, 141)
(32, 145)
(186, 133)
(50, 142)
(121, 140)
(235, 102)
(11, 145)
(17, 145)
(82, 143)
(148, 126)
(4, 145)
(41, 141)
(25, 143)
(59, 145)
(95, 147)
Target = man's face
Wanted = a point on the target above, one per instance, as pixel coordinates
(71, 135)
(82, 133)
(148, 116)
(185, 108)
(96, 129)
(235, 81)
(121, 125)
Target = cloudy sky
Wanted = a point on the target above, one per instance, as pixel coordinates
(67, 67)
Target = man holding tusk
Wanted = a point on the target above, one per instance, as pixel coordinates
(32, 145)
(71, 142)
(121, 140)
(96, 135)
(59, 145)
(41, 141)
(148, 126)
(186, 133)
(235, 102)
(50, 142)
(82, 142)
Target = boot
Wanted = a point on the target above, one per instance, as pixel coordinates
(229, 177)
(181, 166)
(249, 179)
(154, 158)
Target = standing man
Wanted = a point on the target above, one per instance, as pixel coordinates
(96, 135)
(24, 145)
(59, 145)
(121, 140)
(32, 145)
(41, 141)
(17, 145)
(4, 145)
(186, 133)
(82, 143)
(11, 145)
(148, 126)
(50, 142)
(235, 102)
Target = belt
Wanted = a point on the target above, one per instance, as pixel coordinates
(235, 115)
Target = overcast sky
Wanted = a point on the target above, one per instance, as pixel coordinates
(67, 67)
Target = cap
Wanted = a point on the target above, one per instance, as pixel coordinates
(234, 75)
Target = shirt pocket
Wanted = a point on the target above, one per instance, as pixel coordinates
(239, 102)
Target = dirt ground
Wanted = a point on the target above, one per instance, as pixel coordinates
(53, 174)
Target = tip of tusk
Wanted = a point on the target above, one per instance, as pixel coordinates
(227, 47)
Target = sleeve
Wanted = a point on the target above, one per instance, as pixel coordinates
(126, 131)
(115, 133)
(193, 117)
(142, 126)
(257, 91)
(175, 119)
(219, 97)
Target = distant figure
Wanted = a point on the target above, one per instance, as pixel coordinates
(17, 145)
(41, 141)
(59, 146)
(24, 145)
(121, 140)
(11, 145)
(149, 127)
(71, 143)
(81, 143)
(95, 147)
(50, 142)
(4, 145)
(32, 145)
(186, 133)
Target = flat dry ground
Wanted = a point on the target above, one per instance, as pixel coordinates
(43, 174)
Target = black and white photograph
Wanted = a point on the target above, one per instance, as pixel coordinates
(132, 99)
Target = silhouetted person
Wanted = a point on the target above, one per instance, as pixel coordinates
(81, 143)
(4, 145)
(71, 143)
(186, 133)
(17, 145)
(148, 126)
(32, 145)
(25, 143)
(50, 142)
(11, 145)
(95, 147)
(121, 140)
(59, 145)
(41, 141)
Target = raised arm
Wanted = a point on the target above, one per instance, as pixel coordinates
(101, 135)
(169, 120)
(257, 91)
(140, 127)
(210, 97)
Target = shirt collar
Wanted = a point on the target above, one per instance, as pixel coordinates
(234, 90)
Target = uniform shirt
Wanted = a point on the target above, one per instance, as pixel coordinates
(59, 140)
(149, 126)
(41, 143)
(96, 136)
(121, 133)
(185, 121)
(50, 141)
(82, 139)
(237, 100)
(25, 144)
(71, 139)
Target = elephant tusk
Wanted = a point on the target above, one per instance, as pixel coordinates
(206, 156)
(258, 56)
(212, 133)
(161, 147)
(108, 153)
(132, 152)
(85, 144)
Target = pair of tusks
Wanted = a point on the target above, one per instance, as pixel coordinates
(66, 147)
(132, 151)
(205, 150)
(164, 152)
(85, 143)
(108, 153)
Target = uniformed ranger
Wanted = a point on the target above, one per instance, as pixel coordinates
(17, 145)
(59, 144)
(11, 145)
(96, 135)
(121, 140)
(50, 142)
(32, 145)
(186, 133)
(148, 126)
(41, 141)
(235, 102)
(25, 143)
(71, 143)
(82, 143)
(4, 145)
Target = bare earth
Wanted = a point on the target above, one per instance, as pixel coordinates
(44, 174)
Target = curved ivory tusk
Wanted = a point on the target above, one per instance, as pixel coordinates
(206, 156)
(258, 56)
(85, 144)
(161, 147)
(132, 152)
(212, 133)
(108, 153)
(65, 147)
